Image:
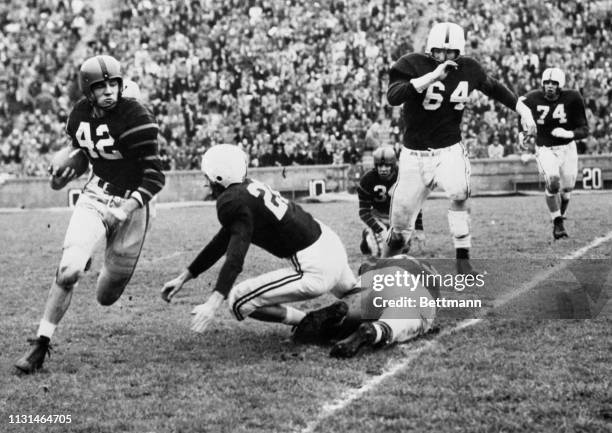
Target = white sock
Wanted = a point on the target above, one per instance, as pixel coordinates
(555, 214)
(379, 332)
(294, 316)
(46, 328)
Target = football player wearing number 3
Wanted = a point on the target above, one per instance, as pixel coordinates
(119, 137)
(561, 119)
(252, 213)
(433, 88)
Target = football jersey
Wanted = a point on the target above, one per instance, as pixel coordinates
(121, 145)
(374, 193)
(280, 226)
(431, 119)
(567, 112)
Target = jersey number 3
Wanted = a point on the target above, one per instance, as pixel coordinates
(434, 97)
(103, 147)
(275, 203)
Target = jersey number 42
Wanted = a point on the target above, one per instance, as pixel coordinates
(102, 147)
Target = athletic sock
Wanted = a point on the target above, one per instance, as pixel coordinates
(293, 316)
(46, 329)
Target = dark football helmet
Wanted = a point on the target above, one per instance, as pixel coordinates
(96, 70)
(385, 161)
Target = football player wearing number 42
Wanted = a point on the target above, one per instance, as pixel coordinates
(433, 88)
(119, 137)
(252, 213)
(561, 119)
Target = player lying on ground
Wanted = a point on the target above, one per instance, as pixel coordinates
(561, 119)
(119, 137)
(365, 318)
(374, 194)
(252, 213)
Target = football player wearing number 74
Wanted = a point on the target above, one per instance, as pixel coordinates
(433, 88)
(118, 136)
(252, 213)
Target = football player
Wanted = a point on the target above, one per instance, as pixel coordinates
(250, 212)
(364, 317)
(119, 136)
(433, 89)
(561, 119)
(374, 192)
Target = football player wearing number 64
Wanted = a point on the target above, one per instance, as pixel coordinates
(118, 136)
(252, 213)
(433, 88)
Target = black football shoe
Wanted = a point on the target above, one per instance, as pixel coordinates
(363, 246)
(558, 229)
(349, 347)
(33, 360)
(319, 326)
(464, 267)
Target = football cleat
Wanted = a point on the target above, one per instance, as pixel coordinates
(319, 325)
(558, 229)
(363, 246)
(464, 267)
(349, 347)
(33, 360)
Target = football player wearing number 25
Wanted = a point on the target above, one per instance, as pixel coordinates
(433, 88)
(252, 213)
(119, 137)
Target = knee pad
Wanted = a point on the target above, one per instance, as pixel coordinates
(554, 185)
(459, 223)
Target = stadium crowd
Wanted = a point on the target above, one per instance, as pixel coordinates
(291, 81)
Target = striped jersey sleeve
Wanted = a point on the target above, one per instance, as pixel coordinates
(139, 141)
(365, 208)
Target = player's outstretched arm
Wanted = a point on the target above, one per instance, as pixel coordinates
(175, 285)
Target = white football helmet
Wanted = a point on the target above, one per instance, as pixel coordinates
(446, 36)
(225, 164)
(130, 89)
(554, 75)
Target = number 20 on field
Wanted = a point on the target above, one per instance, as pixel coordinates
(591, 178)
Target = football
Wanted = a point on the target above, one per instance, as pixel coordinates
(70, 157)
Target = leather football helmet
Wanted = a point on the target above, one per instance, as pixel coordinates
(385, 161)
(553, 80)
(96, 70)
(224, 165)
(447, 38)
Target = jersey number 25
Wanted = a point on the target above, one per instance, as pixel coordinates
(275, 202)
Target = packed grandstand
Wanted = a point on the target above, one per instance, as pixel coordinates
(291, 81)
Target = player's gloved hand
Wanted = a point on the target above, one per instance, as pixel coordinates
(174, 286)
(562, 133)
(204, 313)
(443, 69)
(419, 240)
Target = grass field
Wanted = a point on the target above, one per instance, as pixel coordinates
(136, 366)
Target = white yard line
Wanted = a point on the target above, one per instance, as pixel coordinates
(330, 408)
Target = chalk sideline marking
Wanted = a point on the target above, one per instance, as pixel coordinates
(348, 397)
